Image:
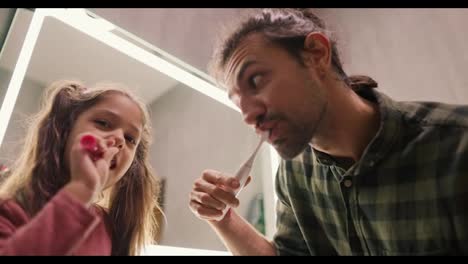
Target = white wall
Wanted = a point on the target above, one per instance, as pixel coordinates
(414, 54)
(27, 103)
(186, 33)
(5, 76)
(191, 133)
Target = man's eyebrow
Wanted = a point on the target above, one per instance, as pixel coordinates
(241, 73)
(243, 68)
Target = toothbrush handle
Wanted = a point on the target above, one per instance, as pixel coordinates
(242, 175)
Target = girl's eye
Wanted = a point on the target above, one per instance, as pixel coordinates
(102, 123)
(130, 139)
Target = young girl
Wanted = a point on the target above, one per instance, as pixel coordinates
(60, 198)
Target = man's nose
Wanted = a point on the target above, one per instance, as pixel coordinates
(252, 111)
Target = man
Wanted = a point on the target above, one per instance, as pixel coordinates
(361, 174)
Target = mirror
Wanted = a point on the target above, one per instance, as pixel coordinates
(195, 126)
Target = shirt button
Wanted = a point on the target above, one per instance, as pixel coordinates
(348, 183)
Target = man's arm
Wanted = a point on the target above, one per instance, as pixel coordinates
(240, 237)
(211, 193)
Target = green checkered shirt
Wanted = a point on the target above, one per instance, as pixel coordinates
(406, 196)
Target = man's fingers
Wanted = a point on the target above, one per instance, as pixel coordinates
(204, 212)
(207, 200)
(220, 179)
(248, 180)
(226, 197)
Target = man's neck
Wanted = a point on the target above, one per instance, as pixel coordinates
(351, 122)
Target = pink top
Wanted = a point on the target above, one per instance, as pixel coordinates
(63, 227)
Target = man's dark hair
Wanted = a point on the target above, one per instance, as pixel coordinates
(287, 28)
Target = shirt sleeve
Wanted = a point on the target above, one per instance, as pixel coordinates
(457, 205)
(58, 229)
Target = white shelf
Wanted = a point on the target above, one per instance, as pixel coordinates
(157, 250)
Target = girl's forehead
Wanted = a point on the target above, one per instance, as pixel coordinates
(117, 99)
(121, 105)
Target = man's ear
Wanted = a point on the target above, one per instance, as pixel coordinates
(317, 51)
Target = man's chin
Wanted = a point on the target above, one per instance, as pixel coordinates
(289, 152)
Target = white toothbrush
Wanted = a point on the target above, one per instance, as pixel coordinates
(244, 171)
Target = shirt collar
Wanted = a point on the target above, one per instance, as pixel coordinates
(380, 145)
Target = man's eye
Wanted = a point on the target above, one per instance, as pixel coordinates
(255, 80)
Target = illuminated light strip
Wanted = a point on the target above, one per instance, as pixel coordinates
(82, 22)
(19, 71)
